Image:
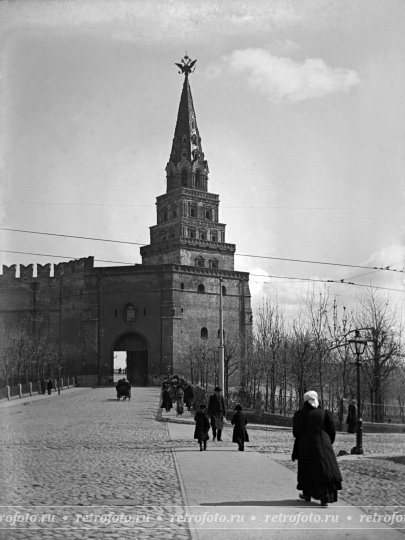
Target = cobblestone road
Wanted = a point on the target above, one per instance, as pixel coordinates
(86, 449)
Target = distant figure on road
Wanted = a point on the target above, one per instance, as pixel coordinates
(43, 386)
(202, 427)
(123, 389)
(49, 386)
(129, 388)
(188, 396)
(166, 399)
(216, 411)
(180, 400)
(318, 471)
(352, 419)
(240, 434)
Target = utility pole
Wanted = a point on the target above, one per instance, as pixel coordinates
(221, 341)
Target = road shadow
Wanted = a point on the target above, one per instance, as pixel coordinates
(285, 502)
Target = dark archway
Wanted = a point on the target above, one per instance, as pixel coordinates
(136, 348)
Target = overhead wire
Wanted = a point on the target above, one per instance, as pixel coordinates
(286, 259)
(316, 280)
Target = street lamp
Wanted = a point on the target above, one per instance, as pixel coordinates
(357, 346)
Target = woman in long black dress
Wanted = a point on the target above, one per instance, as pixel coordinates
(166, 399)
(318, 471)
(202, 426)
(240, 434)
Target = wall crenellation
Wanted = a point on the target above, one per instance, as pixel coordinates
(9, 272)
(44, 271)
(26, 272)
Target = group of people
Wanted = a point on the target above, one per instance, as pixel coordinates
(318, 475)
(176, 390)
(46, 386)
(213, 418)
(314, 430)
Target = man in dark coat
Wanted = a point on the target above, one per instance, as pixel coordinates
(202, 427)
(188, 396)
(240, 434)
(318, 471)
(216, 411)
(49, 386)
(351, 419)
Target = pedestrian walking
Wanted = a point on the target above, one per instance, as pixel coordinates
(188, 396)
(216, 412)
(318, 471)
(352, 419)
(180, 401)
(240, 434)
(43, 386)
(166, 399)
(49, 386)
(202, 427)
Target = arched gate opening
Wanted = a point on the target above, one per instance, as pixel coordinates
(136, 349)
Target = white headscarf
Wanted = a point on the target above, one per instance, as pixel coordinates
(312, 398)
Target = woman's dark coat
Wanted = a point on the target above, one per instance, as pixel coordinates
(240, 433)
(202, 426)
(318, 470)
(166, 400)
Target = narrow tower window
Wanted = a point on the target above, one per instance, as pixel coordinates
(204, 333)
(130, 313)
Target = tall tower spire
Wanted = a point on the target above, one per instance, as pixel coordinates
(186, 156)
(188, 231)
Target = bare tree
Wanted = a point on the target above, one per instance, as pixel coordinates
(319, 311)
(203, 363)
(270, 339)
(5, 356)
(231, 361)
(383, 354)
(301, 357)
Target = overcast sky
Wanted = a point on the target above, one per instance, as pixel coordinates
(300, 106)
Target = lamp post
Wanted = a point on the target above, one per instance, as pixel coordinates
(357, 346)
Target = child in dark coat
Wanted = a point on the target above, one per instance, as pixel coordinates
(240, 434)
(202, 427)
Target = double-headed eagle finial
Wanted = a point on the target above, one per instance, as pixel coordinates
(186, 65)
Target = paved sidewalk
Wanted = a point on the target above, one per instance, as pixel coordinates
(231, 494)
(16, 400)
